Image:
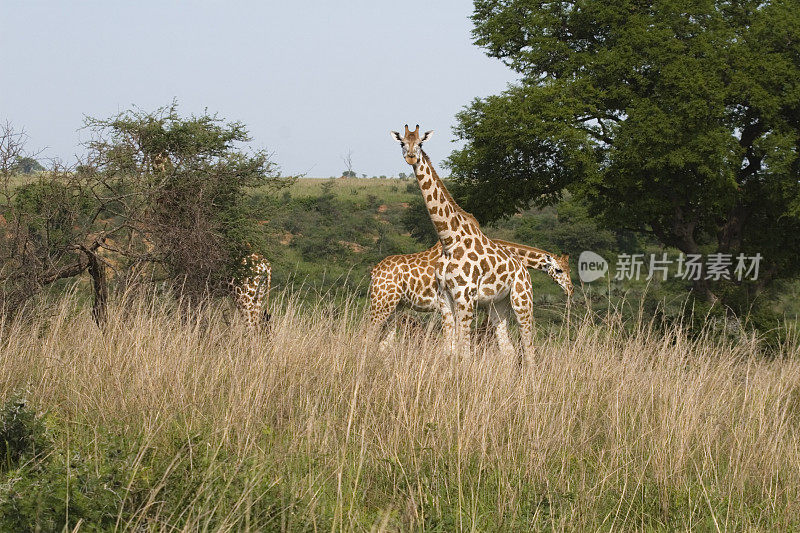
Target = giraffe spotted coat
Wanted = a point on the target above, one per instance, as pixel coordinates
(409, 280)
(251, 291)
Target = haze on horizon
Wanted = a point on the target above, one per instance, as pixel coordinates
(311, 80)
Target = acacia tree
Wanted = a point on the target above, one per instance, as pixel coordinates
(674, 117)
(177, 188)
(157, 194)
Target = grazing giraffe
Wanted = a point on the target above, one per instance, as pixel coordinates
(252, 290)
(472, 268)
(409, 280)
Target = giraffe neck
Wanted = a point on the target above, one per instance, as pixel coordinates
(531, 257)
(540, 260)
(445, 214)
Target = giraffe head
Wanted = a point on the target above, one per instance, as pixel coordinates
(558, 268)
(411, 143)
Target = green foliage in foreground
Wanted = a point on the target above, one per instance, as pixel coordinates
(98, 479)
(22, 434)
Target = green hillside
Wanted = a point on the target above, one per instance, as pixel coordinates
(329, 233)
(326, 234)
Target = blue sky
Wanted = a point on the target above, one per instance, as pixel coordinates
(311, 80)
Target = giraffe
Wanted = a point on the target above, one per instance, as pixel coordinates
(409, 280)
(472, 268)
(161, 162)
(252, 290)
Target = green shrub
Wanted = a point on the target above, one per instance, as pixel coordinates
(22, 434)
(59, 492)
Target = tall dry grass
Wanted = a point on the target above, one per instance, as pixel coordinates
(308, 427)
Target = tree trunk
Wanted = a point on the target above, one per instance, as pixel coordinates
(681, 235)
(98, 272)
(701, 288)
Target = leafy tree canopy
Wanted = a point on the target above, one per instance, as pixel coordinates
(675, 117)
(28, 165)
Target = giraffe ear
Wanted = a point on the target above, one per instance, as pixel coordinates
(426, 136)
(396, 136)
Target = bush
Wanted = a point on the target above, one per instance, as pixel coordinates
(59, 493)
(417, 221)
(22, 434)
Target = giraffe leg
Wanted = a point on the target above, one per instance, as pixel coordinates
(464, 310)
(521, 298)
(388, 340)
(383, 301)
(448, 319)
(254, 315)
(248, 319)
(264, 316)
(498, 318)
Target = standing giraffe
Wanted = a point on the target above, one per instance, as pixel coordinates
(472, 269)
(409, 280)
(252, 290)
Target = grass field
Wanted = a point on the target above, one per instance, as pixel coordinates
(388, 190)
(180, 421)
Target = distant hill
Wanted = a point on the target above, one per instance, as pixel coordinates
(328, 233)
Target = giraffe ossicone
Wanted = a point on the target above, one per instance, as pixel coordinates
(472, 269)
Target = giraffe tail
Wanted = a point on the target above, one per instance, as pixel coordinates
(267, 288)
